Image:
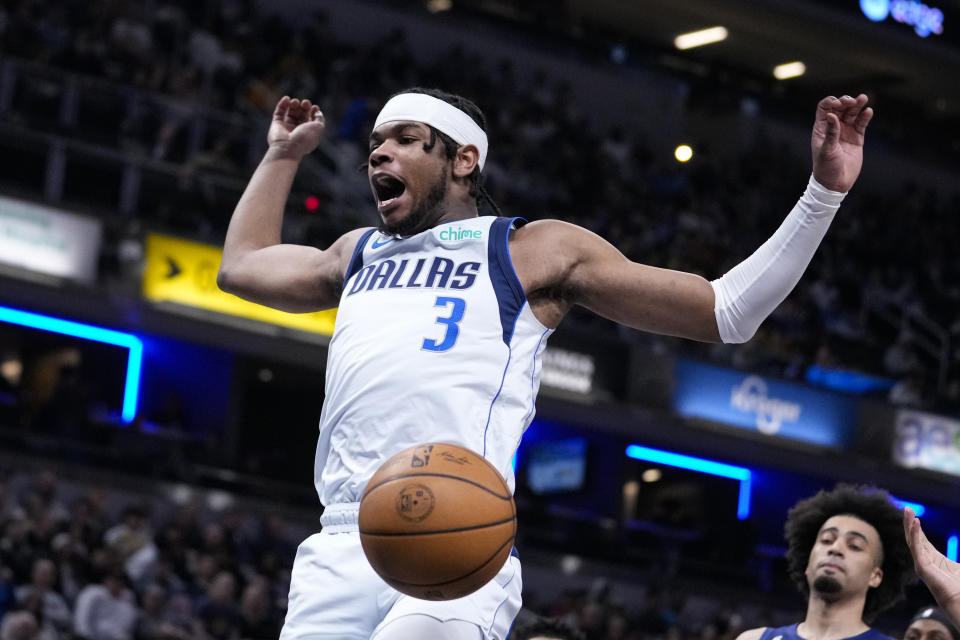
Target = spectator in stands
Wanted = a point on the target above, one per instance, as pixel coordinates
(258, 619)
(846, 553)
(41, 596)
(19, 625)
(218, 612)
(105, 610)
(132, 541)
(546, 629)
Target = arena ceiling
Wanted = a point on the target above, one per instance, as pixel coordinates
(841, 48)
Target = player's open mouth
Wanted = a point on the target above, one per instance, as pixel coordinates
(387, 189)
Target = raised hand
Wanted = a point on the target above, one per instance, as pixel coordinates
(297, 127)
(939, 573)
(837, 141)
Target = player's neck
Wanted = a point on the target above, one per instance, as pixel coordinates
(833, 619)
(458, 211)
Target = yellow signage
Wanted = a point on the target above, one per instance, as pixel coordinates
(186, 272)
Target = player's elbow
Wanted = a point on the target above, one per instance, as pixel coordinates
(227, 279)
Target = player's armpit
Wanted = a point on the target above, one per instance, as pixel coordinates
(293, 278)
(591, 272)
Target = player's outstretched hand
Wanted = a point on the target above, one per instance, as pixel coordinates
(297, 127)
(939, 573)
(837, 140)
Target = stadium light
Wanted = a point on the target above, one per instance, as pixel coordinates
(789, 70)
(700, 465)
(918, 509)
(700, 38)
(131, 388)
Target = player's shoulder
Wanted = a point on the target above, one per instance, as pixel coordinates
(554, 236)
(346, 244)
(342, 250)
(752, 634)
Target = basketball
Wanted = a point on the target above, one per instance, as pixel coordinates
(437, 521)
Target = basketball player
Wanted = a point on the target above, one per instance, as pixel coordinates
(443, 318)
(931, 623)
(846, 554)
(939, 573)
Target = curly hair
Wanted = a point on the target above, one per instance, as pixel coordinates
(450, 146)
(870, 504)
(548, 628)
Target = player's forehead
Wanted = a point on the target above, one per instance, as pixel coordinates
(397, 127)
(850, 525)
(928, 625)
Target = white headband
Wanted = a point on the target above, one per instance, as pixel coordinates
(441, 115)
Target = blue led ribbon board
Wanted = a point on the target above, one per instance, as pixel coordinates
(131, 388)
(701, 465)
(952, 543)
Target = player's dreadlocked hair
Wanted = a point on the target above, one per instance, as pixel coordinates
(449, 144)
(870, 504)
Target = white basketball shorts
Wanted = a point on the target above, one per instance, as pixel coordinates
(336, 595)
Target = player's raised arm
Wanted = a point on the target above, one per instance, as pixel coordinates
(939, 573)
(255, 265)
(587, 270)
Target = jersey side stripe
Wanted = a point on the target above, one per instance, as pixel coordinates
(506, 284)
(356, 261)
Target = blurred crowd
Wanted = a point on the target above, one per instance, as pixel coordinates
(881, 298)
(96, 560)
(83, 566)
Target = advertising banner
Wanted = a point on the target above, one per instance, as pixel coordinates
(771, 407)
(927, 441)
(49, 241)
(186, 272)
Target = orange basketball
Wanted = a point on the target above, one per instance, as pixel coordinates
(437, 521)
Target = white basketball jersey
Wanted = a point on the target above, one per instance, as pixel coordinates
(434, 342)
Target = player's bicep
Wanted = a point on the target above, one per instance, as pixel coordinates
(290, 277)
(640, 296)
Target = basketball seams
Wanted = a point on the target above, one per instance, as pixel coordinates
(479, 531)
(422, 474)
(466, 575)
(399, 534)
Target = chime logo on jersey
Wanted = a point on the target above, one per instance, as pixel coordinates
(447, 235)
(440, 273)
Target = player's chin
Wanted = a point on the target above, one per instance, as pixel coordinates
(395, 210)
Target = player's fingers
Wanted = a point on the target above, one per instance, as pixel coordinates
(828, 104)
(293, 111)
(863, 120)
(282, 105)
(833, 130)
(316, 113)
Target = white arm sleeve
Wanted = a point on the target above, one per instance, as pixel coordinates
(749, 292)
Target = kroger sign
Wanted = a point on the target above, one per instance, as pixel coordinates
(772, 407)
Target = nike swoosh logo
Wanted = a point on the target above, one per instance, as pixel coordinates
(377, 244)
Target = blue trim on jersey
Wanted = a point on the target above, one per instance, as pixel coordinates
(356, 260)
(494, 401)
(533, 375)
(504, 601)
(506, 284)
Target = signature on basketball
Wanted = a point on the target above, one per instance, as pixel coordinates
(451, 457)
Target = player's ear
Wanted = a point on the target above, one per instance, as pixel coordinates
(876, 577)
(467, 158)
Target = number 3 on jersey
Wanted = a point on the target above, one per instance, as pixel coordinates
(452, 323)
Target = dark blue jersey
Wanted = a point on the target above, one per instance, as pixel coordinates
(790, 633)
